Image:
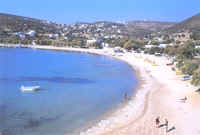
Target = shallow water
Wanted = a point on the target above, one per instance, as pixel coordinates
(77, 89)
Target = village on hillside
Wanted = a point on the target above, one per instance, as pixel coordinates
(180, 41)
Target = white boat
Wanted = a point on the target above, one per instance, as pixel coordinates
(31, 88)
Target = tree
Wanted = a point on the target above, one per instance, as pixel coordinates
(83, 44)
(154, 50)
(166, 37)
(189, 67)
(128, 45)
(168, 41)
(186, 51)
(96, 45)
(120, 42)
(134, 44)
(154, 42)
(171, 50)
(196, 78)
(197, 51)
(183, 35)
(195, 36)
(180, 63)
(178, 42)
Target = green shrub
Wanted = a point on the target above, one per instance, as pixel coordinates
(189, 67)
(196, 78)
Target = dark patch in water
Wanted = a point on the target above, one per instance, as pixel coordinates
(49, 79)
(20, 116)
(34, 123)
(12, 131)
(3, 107)
(27, 121)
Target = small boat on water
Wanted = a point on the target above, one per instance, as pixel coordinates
(30, 88)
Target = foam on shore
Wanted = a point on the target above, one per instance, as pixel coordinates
(124, 115)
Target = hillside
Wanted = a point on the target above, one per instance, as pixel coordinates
(191, 25)
(13, 23)
(130, 29)
(154, 26)
(142, 28)
(138, 29)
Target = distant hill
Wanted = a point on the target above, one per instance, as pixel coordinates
(13, 23)
(139, 28)
(155, 26)
(191, 25)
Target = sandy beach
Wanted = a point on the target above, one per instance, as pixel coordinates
(158, 94)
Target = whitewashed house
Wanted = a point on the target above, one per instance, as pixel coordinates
(149, 46)
(197, 46)
(117, 49)
(21, 36)
(53, 36)
(163, 45)
(31, 33)
(91, 41)
(105, 45)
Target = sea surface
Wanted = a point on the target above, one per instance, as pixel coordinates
(77, 90)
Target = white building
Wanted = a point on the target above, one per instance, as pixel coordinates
(105, 45)
(91, 41)
(31, 33)
(149, 46)
(22, 36)
(117, 49)
(53, 35)
(197, 46)
(158, 39)
(163, 45)
(106, 37)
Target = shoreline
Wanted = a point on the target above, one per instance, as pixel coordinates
(124, 112)
(157, 94)
(114, 114)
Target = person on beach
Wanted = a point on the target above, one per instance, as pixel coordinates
(157, 121)
(183, 99)
(166, 124)
(125, 96)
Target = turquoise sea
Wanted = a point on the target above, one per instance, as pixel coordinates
(77, 90)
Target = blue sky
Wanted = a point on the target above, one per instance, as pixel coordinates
(70, 11)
